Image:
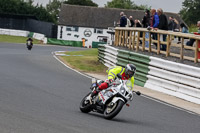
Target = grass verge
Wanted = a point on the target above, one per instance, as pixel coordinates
(84, 61)
(16, 39)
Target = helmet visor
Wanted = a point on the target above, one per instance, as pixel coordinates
(130, 73)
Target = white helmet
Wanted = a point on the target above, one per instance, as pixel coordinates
(130, 70)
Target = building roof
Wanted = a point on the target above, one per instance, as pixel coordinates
(98, 17)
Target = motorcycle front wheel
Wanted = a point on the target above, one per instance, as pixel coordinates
(85, 105)
(111, 111)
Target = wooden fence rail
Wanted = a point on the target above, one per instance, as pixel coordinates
(134, 39)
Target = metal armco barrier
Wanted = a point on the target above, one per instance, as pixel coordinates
(175, 79)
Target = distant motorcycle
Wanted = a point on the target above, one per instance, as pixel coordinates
(29, 44)
(110, 101)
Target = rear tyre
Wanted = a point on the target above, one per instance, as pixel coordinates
(85, 105)
(111, 112)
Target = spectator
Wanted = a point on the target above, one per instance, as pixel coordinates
(123, 20)
(191, 41)
(146, 23)
(131, 20)
(146, 19)
(128, 22)
(171, 23)
(163, 25)
(154, 19)
(154, 23)
(176, 27)
(183, 29)
(138, 23)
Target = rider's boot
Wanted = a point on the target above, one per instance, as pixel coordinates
(95, 92)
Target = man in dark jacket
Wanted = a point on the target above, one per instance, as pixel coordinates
(123, 20)
(163, 25)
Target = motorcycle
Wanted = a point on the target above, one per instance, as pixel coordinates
(29, 45)
(110, 101)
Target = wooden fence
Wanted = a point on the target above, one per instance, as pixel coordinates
(134, 39)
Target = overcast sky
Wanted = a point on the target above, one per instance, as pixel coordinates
(167, 5)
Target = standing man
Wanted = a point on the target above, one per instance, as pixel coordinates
(123, 20)
(163, 25)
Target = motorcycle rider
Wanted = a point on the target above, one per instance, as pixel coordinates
(126, 73)
(31, 41)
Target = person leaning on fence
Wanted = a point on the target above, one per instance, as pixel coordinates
(171, 24)
(146, 23)
(146, 19)
(191, 41)
(183, 29)
(138, 24)
(163, 25)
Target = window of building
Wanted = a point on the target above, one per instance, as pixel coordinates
(74, 29)
(98, 31)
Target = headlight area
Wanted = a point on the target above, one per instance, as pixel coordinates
(122, 90)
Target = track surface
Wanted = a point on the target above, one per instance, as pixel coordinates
(38, 94)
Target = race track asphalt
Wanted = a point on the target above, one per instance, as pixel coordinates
(38, 94)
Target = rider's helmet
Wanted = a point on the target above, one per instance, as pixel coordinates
(130, 70)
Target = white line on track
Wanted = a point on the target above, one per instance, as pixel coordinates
(170, 105)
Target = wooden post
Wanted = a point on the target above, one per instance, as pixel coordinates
(130, 38)
(138, 41)
(120, 37)
(168, 45)
(143, 41)
(182, 46)
(123, 38)
(116, 37)
(150, 41)
(158, 44)
(133, 41)
(196, 52)
(126, 38)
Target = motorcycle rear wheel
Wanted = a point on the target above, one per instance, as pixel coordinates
(110, 113)
(85, 106)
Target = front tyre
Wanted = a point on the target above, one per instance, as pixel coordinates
(85, 105)
(111, 111)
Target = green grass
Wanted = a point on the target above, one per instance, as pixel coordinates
(88, 62)
(16, 39)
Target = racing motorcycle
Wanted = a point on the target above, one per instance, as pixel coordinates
(29, 45)
(110, 101)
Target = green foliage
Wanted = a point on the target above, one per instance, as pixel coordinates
(26, 8)
(81, 2)
(190, 11)
(125, 4)
(53, 8)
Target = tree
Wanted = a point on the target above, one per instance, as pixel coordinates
(81, 2)
(190, 11)
(125, 4)
(20, 7)
(53, 8)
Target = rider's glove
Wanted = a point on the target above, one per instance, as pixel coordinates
(109, 81)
